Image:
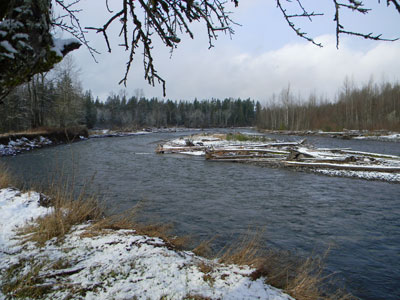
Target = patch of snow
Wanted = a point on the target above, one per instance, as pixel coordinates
(395, 137)
(6, 45)
(20, 36)
(59, 45)
(119, 264)
(23, 144)
(391, 177)
(10, 24)
(194, 153)
(9, 55)
(16, 209)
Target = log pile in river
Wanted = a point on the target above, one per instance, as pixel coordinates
(297, 155)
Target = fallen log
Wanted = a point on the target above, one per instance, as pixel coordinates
(161, 150)
(225, 157)
(368, 154)
(243, 153)
(247, 150)
(342, 167)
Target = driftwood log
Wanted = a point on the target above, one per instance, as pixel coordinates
(365, 168)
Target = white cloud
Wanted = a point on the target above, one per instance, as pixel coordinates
(247, 66)
(226, 73)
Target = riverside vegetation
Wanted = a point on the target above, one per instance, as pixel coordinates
(301, 278)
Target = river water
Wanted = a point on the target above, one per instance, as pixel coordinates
(299, 211)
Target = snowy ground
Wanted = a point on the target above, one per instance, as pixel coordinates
(114, 265)
(23, 144)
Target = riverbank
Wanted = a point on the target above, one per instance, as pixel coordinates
(19, 142)
(15, 143)
(89, 263)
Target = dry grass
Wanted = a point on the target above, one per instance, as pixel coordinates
(5, 177)
(127, 221)
(304, 279)
(66, 213)
(22, 280)
(196, 297)
(41, 131)
(204, 248)
(206, 269)
(244, 252)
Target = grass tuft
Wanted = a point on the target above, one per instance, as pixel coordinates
(22, 280)
(5, 177)
(204, 248)
(128, 221)
(303, 279)
(66, 212)
(246, 137)
(246, 251)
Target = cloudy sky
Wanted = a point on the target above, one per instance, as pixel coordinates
(263, 57)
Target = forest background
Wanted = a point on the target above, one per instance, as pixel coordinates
(57, 99)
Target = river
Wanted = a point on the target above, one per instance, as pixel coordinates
(299, 211)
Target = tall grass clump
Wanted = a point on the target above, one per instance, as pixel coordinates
(246, 137)
(302, 278)
(129, 221)
(5, 177)
(65, 211)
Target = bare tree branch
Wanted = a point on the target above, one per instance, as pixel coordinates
(357, 6)
(74, 27)
(297, 30)
(166, 19)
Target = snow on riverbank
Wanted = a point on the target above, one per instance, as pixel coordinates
(23, 144)
(118, 264)
(382, 176)
(394, 137)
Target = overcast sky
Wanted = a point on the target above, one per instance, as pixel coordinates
(263, 56)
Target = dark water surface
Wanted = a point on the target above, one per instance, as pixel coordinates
(299, 211)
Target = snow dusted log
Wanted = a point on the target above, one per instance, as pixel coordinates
(27, 46)
(296, 154)
(347, 167)
(368, 154)
(161, 150)
(240, 154)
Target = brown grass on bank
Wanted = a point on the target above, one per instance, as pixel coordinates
(44, 130)
(66, 212)
(244, 252)
(56, 135)
(303, 279)
(5, 177)
(128, 221)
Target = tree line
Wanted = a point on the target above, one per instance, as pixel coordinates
(369, 107)
(119, 111)
(58, 100)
